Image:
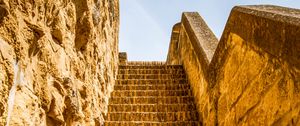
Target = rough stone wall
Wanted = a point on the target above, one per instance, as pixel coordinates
(58, 60)
(196, 77)
(253, 77)
(258, 67)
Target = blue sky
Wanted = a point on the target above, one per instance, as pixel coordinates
(146, 24)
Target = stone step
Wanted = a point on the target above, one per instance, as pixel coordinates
(150, 67)
(150, 81)
(151, 108)
(131, 93)
(151, 76)
(151, 123)
(143, 63)
(151, 94)
(151, 71)
(152, 100)
(152, 116)
(152, 87)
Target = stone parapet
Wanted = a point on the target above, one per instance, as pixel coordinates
(251, 76)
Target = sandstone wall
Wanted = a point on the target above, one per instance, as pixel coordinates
(252, 77)
(58, 60)
(186, 49)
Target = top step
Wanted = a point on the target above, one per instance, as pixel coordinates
(143, 63)
(150, 67)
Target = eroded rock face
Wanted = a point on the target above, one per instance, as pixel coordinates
(58, 61)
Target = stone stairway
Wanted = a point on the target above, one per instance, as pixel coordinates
(151, 94)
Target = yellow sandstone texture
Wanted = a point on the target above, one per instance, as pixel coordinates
(58, 61)
(252, 75)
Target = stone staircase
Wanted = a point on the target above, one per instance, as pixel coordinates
(151, 94)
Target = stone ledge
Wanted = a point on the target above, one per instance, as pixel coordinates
(276, 13)
(203, 39)
(275, 30)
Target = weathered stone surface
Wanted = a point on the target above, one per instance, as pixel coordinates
(58, 61)
(257, 65)
(253, 77)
